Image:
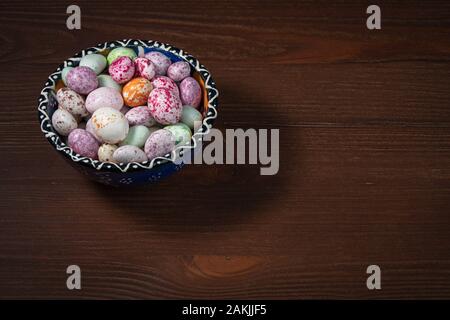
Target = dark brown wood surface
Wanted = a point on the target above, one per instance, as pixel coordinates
(364, 119)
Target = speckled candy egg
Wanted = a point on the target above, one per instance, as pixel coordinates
(120, 52)
(166, 83)
(165, 106)
(63, 122)
(104, 97)
(110, 125)
(159, 143)
(137, 135)
(95, 61)
(71, 101)
(140, 116)
(190, 92)
(82, 80)
(127, 154)
(179, 70)
(191, 117)
(181, 132)
(106, 151)
(105, 80)
(64, 73)
(83, 143)
(122, 70)
(135, 93)
(160, 61)
(144, 68)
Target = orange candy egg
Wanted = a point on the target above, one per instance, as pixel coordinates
(135, 93)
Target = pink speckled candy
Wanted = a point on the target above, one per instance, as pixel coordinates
(190, 92)
(82, 80)
(166, 83)
(179, 70)
(104, 97)
(159, 143)
(140, 116)
(83, 143)
(160, 61)
(122, 69)
(165, 106)
(144, 68)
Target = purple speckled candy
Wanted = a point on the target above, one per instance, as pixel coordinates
(165, 106)
(104, 97)
(144, 68)
(160, 61)
(122, 69)
(140, 116)
(82, 80)
(179, 70)
(190, 92)
(166, 83)
(159, 143)
(83, 143)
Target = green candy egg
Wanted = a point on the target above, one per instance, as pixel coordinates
(95, 61)
(105, 80)
(120, 52)
(64, 73)
(181, 132)
(137, 135)
(191, 117)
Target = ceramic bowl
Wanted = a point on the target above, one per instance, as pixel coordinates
(132, 173)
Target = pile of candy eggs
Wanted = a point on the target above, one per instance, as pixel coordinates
(123, 108)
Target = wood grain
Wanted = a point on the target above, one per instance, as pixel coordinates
(364, 119)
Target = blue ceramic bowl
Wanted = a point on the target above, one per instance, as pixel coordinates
(132, 173)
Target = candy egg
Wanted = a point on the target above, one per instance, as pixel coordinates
(106, 151)
(122, 70)
(120, 52)
(159, 143)
(191, 117)
(190, 92)
(137, 136)
(104, 97)
(127, 154)
(82, 80)
(135, 93)
(165, 106)
(179, 70)
(110, 125)
(140, 116)
(160, 61)
(64, 73)
(63, 122)
(144, 68)
(181, 132)
(71, 101)
(105, 80)
(90, 128)
(166, 83)
(83, 143)
(95, 61)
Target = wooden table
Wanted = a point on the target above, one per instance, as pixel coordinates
(364, 119)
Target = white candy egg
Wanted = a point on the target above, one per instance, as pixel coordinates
(110, 125)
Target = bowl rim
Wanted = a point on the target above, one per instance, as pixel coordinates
(60, 146)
